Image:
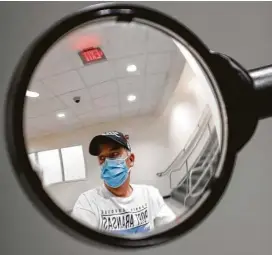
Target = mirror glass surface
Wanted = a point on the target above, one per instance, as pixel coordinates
(123, 128)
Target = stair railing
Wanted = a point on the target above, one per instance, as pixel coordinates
(207, 169)
(193, 168)
(191, 149)
(209, 159)
(191, 144)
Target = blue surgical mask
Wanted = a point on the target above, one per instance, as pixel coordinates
(114, 172)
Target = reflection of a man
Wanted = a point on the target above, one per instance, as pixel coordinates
(119, 206)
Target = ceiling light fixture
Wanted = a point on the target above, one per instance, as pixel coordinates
(61, 115)
(32, 93)
(131, 98)
(131, 68)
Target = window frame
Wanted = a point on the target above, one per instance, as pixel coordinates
(62, 165)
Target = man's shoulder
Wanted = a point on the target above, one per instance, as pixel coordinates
(91, 194)
(148, 188)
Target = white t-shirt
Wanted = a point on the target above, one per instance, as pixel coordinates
(141, 212)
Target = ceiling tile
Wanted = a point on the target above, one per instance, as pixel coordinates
(83, 106)
(50, 123)
(108, 114)
(103, 89)
(75, 126)
(158, 42)
(30, 133)
(131, 84)
(177, 67)
(106, 101)
(152, 103)
(152, 95)
(35, 108)
(42, 89)
(56, 62)
(155, 81)
(100, 116)
(146, 110)
(88, 115)
(97, 73)
(132, 107)
(125, 39)
(64, 83)
(129, 114)
(66, 49)
(47, 122)
(32, 128)
(126, 105)
(88, 35)
(151, 100)
(157, 63)
(120, 66)
(70, 118)
(75, 60)
(88, 118)
(109, 111)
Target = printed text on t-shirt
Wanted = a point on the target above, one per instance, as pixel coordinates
(125, 219)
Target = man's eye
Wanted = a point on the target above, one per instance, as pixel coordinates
(115, 154)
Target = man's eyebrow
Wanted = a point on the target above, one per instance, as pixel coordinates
(114, 149)
(111, 150)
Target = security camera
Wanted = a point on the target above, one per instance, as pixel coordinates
(76, 99)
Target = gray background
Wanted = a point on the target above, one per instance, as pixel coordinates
(241, 224)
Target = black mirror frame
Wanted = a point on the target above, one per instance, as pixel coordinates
(14, 122)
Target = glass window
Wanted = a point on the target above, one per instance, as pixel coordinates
(51, 165)
(73, 163)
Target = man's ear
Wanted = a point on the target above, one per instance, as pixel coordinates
(132, 159)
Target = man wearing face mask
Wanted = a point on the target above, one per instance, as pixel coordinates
(119, 206)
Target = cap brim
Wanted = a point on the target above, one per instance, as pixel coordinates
(94, 147)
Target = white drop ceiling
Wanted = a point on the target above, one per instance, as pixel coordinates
(103, 86)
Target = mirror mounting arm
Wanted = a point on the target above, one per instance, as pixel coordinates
(238, 93)
(262, 80)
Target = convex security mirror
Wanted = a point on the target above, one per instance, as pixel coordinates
(123, 127)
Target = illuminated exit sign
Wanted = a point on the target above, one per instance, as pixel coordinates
(91, 55)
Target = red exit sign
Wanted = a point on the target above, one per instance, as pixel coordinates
(91, 55)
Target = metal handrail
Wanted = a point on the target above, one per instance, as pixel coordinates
(199, 180)
(213, 149)
(186, 159)
(190, 145)
(183, 179)
(203, 118)
(204, 172)
(188, 175)
(193, 169)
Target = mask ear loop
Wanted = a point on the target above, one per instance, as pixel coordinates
(129, 154)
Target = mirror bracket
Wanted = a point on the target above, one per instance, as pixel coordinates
(262, 80)
(238, 92)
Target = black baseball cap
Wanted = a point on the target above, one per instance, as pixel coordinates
(115, 136)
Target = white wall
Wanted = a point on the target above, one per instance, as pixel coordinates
(199, 85)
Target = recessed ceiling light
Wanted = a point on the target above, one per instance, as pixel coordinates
(32, 93)
(131, 98)
(131, 68)
(61, 115)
